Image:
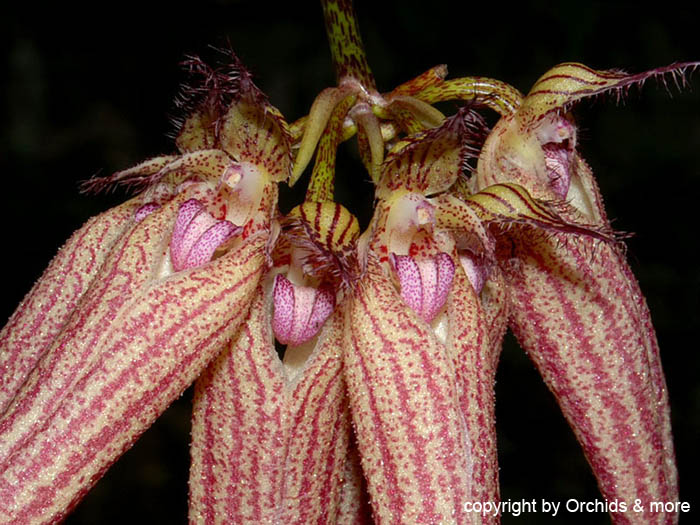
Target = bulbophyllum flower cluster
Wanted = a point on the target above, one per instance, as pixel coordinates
(341, 376)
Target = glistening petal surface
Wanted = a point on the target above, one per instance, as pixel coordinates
(412, 436)
(267, 448)
(117, 383)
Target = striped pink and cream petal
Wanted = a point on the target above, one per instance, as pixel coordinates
(268, 447)
(47, 307)
(134, 344)
(579, 313)
(354, 507)
(475, 346)
(132, 264)
(412, 436)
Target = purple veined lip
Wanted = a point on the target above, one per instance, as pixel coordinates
(424, 283)
(197, 235)
(299, 311)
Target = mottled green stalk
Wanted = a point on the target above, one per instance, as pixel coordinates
(347, 50)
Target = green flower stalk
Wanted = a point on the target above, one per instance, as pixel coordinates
(342, 374)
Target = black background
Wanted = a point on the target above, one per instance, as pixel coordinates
(90, 90)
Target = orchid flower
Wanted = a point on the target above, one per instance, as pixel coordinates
(131, 310)
(341, 375)
(599, 353)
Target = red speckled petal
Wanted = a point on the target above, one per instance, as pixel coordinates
(267, 448)
(136, 342)
(580, 315)
(474, 342)
(412, 435)
(46, 308)
(255, 131)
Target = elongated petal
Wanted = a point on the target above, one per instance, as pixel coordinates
(206, 164)
(267, 448)
(425, 114)
(321, 429)
(118, 365)
(412, 436)
(475, 345)
(580, 315)
(370, 141)
(569, 82)
(132, 264)
(46, 308)
(511, 203)
(135, 177)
